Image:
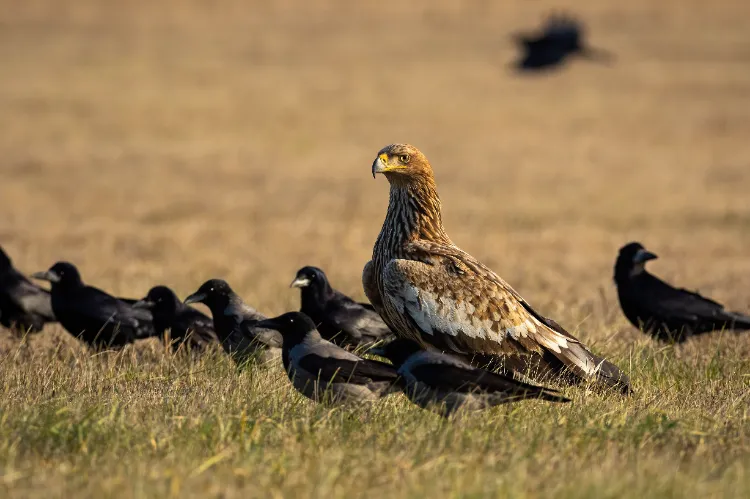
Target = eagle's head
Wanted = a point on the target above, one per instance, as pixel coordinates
(401, 163)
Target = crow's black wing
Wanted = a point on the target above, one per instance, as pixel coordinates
(347, 371)
(463, 380)
(356, 321)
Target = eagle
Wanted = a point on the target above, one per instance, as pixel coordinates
(430, 291)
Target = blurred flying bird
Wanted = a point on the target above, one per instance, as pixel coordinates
(325, 372)
(430, 291)
(445, 384)
(24, 306)
(339, 318)
(93, 316)
(561, 38)
(187, 325)
(665, 312)
(236, 324)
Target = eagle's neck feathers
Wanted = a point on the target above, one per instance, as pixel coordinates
(413, 214)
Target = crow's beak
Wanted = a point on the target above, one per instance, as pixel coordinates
(300, 282)
(196, 297)
(268, 324)
(642, 256)
(47, 275)
(146, 304)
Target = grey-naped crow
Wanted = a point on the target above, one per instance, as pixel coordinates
(97, 318)
(665, 312)
(236, 323)
(325, 372)
(338, 318)
(445, 384)
(24, 306)
(187, 326)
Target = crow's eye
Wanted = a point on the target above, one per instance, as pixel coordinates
(404, 158)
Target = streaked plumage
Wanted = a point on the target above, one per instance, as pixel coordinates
(188, 327)
(236, 324)
(445, 384)
(338, 318)
(428, 290)
(325, 372)
(24, 306)
(95, 317)
(561, 38)
(665, 312)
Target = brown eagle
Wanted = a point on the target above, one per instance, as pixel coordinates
(430, 291)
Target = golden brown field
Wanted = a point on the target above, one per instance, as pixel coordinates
(174, 141)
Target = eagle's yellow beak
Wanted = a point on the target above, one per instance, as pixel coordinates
(382, 165)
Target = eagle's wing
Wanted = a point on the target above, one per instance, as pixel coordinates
(450, 300)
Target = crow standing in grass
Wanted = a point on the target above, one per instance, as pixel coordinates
(561, 38)
(24, 306)
(339, 318)
(430, 291)
(236, 323)
(98, 319)
(445, 384)
(187, 325)
(325, 372)
(665, 312)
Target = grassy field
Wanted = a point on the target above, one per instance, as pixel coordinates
(173, 141)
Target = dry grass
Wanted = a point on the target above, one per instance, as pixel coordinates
(170, 142)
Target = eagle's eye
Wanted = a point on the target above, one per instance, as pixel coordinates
(404, 158)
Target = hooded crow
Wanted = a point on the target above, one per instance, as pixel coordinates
(24, 306)
(187, 325)
(339, 318)
(665, 312)
(445, 384)
(561, 38)
(325, 372)
(95, 317)
(236, 323)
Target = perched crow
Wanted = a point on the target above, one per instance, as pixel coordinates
(187, 325)
(445, 384)
(339, 318)
(562, 37)
(98, 319)
(236, 324)
(667, 313)
(24, 306)
(325, 372)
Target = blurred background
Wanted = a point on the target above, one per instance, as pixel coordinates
(174, 141)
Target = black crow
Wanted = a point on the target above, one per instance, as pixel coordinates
(445, 384)
(339, 318)
(561, 38)
(665, 312)
(236, 323)
(187, 325)
(325, 372)
(98, 319)
(24, 306)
